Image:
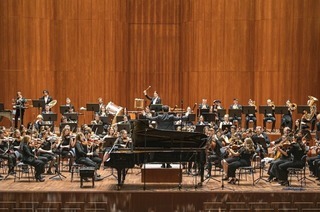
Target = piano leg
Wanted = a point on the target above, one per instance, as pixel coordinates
(201, 174)
(119, 173)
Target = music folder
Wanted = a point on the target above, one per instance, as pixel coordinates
(106, 119)
(123, 127)
(192, 117)
(235, 112)
(71, 116)
(260, 141)
(209, 117)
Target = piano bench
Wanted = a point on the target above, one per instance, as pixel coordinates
(161, 175)
(86, 172)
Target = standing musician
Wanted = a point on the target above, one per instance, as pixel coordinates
(236, 105)
(6, 152)
(240, 158)
(286, 120)
(251, 117)
(153, 100)
(29, 157)
(100, 102)
(82, 154)
(204, 104)
(270, 116)
(47, 99)
(19, 105)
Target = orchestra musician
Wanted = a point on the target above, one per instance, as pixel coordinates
(96, 120)
(153, 100)
(239, 158)
(251, 117)
(6, 152)
(47, 110)
(47, 99)
(236, 105)
(19, 105)
(260, 134)
(312, 116)
(38, 123)
(103, 111)
(45, 150)
(286, 120)
(82, 154)
(225, 121)
(66, 145)
(92, 147)
(100, 102)
(297, 150)
(270, 116)
(68, 103)
(214, 152)
(217, 106)
(201, 121)
(204, 104)
(29, 157)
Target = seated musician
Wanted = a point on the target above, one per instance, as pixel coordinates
(286, 120)
(47, 110)
(96, 120)
(270, 116)
(239, 158)
(70, 106)
(6, 152)
(103, 111)
(236, 105)
(66, 145)
(214, 152)
(38, 123)
(29, 157)
(251, 117)
(204, 104)
(217, 106)
(297, 151)
(201, 121)
(225, 121)
(260, 134)
(83, 155)
(45, 150)
(17, 138)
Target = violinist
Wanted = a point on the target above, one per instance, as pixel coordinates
(45, 150)
(82, 154)
(6, 152)
(29, 157)
(240, 158)
(124, 141)
(93, 146)
(96, 120)
(296, 150)
(214, 152)
(67, 143)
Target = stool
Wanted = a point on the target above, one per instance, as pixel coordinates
(21, 169)
(86, 172)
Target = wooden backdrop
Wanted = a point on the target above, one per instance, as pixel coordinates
(185, 49)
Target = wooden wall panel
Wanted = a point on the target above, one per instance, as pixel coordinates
(185, 49)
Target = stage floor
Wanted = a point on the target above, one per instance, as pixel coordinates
(56, 194)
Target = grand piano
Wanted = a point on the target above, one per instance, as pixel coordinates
(163, 146)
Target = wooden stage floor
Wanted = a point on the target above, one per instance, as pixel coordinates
(59, 195)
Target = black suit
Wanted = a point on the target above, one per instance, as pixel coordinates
(49, 99)
(158, 100)
(166, 121)
(28, 157)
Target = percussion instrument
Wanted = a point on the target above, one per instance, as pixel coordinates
(114, 110)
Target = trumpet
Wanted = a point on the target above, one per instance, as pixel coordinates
(252, 103)
(292, 106)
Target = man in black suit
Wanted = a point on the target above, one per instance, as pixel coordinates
(47, 99)
(165, 122)
(153, 100)
(19, 105)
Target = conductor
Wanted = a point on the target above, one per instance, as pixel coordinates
(155, 99)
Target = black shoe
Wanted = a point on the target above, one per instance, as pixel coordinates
(39, 179)
(163, 166)
(169, 166)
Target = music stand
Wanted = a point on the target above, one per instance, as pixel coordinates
(97, 128)
(202, 111)
(235, 112)
(209, 117)
(281, 110)
(265, 109)
(123, 127)
(248, 109)
(93, 107)
(49, 117)
(109, 144)
(199, 128)
(64, 109)
(1, 107)
(106, 119)
(303, 108)
(156, 107)
(39, 103)
(71, 116)
(221, 113)
(73, 126)
(192, 117)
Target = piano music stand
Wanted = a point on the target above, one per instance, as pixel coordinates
(64, 109)
(248, 109)
(302, 108)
